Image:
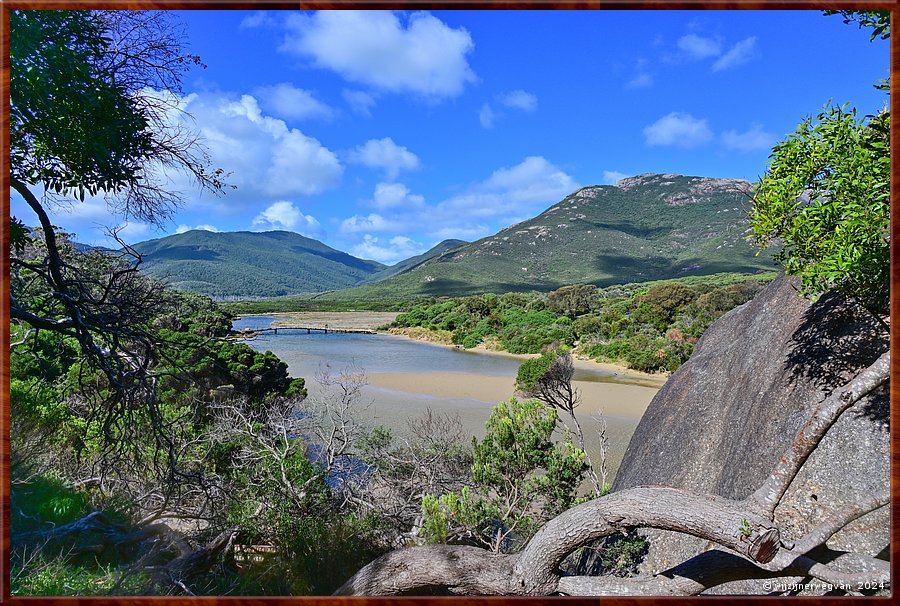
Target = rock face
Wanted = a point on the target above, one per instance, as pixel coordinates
(723, 419)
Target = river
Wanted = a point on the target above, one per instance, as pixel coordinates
(404, 377)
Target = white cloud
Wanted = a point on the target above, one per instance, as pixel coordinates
(388, 252)
(373, 222)
(386, 155)
(611, 177)
(678, 129)
(284, 215)
(532, 185)
(375, 48)
(519, 99)
(395, 195)
(133, 232)
(533, 179)
(486, 116)
(286, 101)
(263, 156)
(753, 139)
(640, 80)
(258, 19)
(204, 226)
(738, 54)
(699, 47)
(360, 102)
(462, 232)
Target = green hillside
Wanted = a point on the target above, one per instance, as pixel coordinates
(406, 264)
(251, 264)
(644, 228)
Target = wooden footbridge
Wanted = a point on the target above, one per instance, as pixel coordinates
(308, 330)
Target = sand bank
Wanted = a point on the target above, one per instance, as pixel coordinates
(369, 320)
(618, 373)
(615, 399)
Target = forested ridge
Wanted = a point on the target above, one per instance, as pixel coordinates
(151, 453)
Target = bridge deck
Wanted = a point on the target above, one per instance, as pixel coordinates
(311, 329)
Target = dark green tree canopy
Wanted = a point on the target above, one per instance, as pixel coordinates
(826, 198)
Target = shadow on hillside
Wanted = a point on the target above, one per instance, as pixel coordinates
(658, 268)
(447, 287)
(631, 229)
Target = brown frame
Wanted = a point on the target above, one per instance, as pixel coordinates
(7, 5)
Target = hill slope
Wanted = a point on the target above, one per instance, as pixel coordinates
(251, 264)
(406, 264)
(643, 228)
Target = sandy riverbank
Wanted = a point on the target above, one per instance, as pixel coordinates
(343, 320)
(612, 398)
(619, 373)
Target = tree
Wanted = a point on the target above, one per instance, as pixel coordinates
(521, 479)
(432, 458)
(549, 379)
(90, 95)
(826, 198)
(573, 300)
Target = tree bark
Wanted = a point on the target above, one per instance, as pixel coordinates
(535, 571)
(455, 568)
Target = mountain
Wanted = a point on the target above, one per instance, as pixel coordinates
(406, 264)
(251, 264)
(643, 228)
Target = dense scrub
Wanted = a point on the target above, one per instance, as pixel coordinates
(647, 327)
(206, 443)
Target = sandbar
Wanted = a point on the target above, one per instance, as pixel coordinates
(612, 398)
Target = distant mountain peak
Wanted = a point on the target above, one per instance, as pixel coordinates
(647, 227)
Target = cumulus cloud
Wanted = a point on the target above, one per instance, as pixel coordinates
(611, 177)
(386, 155)
(387, 251)
(519, 99)
(750, 140)
(261, 155)
(533, 179)
(132, 231)
(738, 54)
(203, 226)
(360, 102)
(284, 215)
(376, 48)
(372, 222)
(286, 101)
(699, 47)
(396, 195)
(529, 186)
(486, 116)
(678, 129)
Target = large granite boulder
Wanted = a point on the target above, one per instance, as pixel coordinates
(723, 419)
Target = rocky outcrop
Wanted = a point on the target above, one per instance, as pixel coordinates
(722, 420)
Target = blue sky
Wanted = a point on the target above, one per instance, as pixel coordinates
(382, 133)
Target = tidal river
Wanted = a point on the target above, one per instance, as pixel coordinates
(404, 377)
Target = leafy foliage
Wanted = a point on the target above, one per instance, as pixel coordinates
(826, 197)
(91, 138)
(879, 21)
(520, 480)
(649, 327)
